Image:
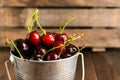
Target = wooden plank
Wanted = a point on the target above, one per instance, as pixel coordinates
(98, 49)
(1, 3)
(50, 17)
(115, 57)
(105, 69)
(90, 72)
(64, 3)
(92, 37)
(4, 56)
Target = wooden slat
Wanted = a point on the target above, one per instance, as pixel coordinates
(105, 68)
(12, 17)
(4, 56)
(92, 37)
(64, 3)
(89, 68)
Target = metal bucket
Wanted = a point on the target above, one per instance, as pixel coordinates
(63, 69)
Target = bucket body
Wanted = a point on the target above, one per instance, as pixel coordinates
(63, 69)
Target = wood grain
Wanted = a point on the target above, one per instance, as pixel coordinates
(64, 3)
(105, 68)
(92, 37)
(14, 17)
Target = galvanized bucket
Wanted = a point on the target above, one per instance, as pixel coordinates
(63, 69)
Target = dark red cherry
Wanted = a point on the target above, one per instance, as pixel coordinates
(52, 33)
(39, 52)
(59, 47)
(48, 39)
(52, 56)
(61, 37)
(65, 55)
(71, 49)
(33, 38)
(22, 46)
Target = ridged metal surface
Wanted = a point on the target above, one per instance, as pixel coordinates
(63, 69)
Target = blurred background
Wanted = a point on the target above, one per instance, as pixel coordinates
(98, 20)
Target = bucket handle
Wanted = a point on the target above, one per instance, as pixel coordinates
(8, 72)
(83, 66)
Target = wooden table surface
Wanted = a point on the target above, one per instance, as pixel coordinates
(98, 65)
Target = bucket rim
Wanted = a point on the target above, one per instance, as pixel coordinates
(59, 60)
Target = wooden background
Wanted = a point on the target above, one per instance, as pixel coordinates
(98, 20)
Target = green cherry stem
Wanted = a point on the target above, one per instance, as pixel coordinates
(43, 31)
(11, 43)
(68, 41)
(60, 24)
(31, 22)
(16, 49)
(81, 48)
(37, 21)
(50, 50)
(67, 22)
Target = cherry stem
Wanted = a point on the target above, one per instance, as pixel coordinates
(81, 48)
(68, 41)
(37, 21)
(10, 43)
(73, 39)
(33, 19)
(67, 22)
(17, 49)
(50, 50)
(64, 45)
(60, 24)
(31, 22)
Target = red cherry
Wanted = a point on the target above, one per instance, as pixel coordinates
(60, 48)
(61, 37)
(33, 38)
(52, 56)
(48, 39)
(52, 33)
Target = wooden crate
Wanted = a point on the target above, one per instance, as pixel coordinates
(99, 21)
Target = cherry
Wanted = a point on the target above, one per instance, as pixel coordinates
(33, 38)
(52, 33)
(61, 37)
(71, 49)
(59, 45)
(48, 39)
(52, 56)
(65, 55)
(39, 52)
(22, 46)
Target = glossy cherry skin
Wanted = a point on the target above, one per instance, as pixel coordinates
(71, 49)
(60, 47)
(22, 46)
(48, 39)
(39, 52)
(52, 56)
(61, 37)
(33, 38)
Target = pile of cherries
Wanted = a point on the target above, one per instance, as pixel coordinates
(45, 45)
